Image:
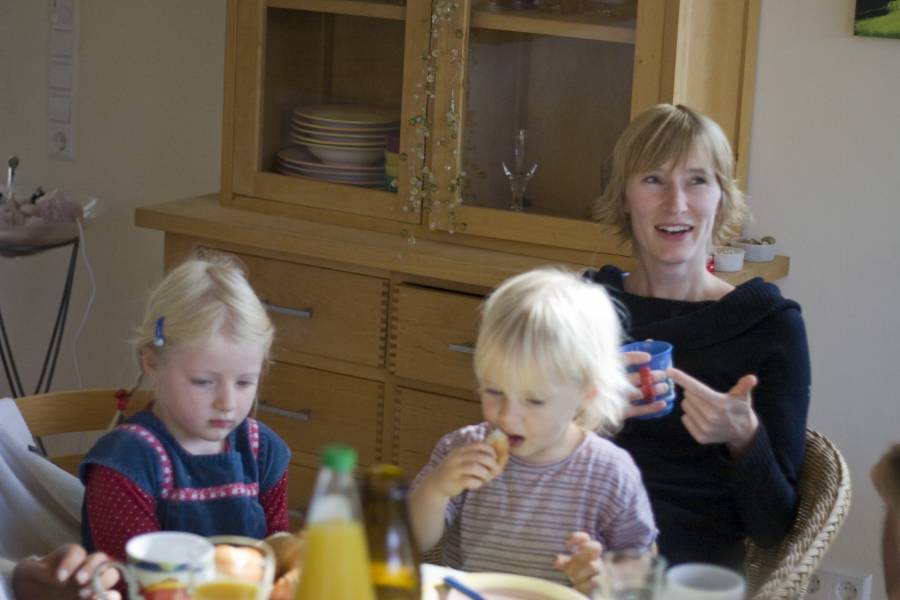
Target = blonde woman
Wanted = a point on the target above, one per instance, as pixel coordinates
(723, 465)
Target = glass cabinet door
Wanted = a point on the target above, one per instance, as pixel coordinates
(547, 90)
(321, 110)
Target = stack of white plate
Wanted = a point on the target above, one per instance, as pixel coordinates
(298, 160)
(338, 143)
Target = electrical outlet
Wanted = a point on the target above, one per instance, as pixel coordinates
(839, 584)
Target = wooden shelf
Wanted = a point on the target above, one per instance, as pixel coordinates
(357, 8)
(770, 271)
(579, 26)
(205, 217)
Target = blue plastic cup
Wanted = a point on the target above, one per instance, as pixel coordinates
(660, 360)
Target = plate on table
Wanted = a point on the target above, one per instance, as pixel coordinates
(502, 586)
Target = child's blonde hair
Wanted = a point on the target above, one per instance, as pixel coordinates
(549, 326)
(206, 296)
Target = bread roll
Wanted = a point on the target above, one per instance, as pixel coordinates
(500, 443)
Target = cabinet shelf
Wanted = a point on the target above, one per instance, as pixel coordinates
(578, 26)
(357, 8)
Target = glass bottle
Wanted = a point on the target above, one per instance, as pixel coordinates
(335, 562)
(393, 551)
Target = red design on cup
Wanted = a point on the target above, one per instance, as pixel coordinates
(647, 384)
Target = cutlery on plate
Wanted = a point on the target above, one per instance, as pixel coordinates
(462, 588)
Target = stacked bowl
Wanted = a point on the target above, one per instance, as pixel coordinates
(338, 143)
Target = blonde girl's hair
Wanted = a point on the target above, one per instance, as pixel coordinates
(548, 327)
(206, 296)
(669, 133)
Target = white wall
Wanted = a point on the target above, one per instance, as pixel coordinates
(824, 176)
(149, 127)
(825, 180)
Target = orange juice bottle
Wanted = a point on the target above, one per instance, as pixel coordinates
(335, 561)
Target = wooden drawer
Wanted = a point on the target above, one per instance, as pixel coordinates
(433, 335)
(322, 311)
(421, 418)
(309, 408)
(301, 480)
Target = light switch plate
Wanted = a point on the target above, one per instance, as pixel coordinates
(62, 79)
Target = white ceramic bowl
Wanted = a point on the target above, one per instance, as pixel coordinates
(757, 252)
(729, 258)
(357, 156)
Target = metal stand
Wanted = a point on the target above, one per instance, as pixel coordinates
(6, 353)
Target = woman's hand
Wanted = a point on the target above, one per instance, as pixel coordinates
(712, 417)
(466, 467)
(660, 386)
(583, 566)
(64, 573)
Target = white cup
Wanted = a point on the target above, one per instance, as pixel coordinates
(700, 581)
(160, 564)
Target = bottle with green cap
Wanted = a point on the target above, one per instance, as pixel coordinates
(336, 560)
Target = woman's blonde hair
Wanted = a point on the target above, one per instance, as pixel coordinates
(670, 133)
(548, 327)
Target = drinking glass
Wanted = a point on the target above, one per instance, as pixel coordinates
(631, 575)
(244, 570)
(519, 175)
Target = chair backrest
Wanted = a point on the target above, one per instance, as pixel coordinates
(824, 490)
(73, 412)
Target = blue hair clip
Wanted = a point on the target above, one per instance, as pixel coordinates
(159, 340)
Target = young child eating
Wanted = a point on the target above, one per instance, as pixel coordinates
(551, 377)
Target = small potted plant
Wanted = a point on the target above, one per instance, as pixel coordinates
(757, 249)
(728, 258)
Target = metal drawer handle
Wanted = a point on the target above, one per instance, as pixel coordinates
(297, 514)
(300, 313)
(464, 348)
(299, 415)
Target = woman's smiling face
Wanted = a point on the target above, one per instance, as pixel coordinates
(673, 210)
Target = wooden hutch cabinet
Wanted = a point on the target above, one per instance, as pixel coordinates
(375, 293)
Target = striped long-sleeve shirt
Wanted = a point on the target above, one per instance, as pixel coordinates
(519, 522)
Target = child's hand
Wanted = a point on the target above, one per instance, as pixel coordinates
(466, 467)
(583, 566)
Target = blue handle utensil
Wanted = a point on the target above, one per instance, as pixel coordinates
(462, 588)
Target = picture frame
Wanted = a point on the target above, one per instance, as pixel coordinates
(877, 18)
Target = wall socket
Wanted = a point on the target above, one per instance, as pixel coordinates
(829, 583)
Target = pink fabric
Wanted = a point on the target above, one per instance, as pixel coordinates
(117, 510)
(274, 503)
